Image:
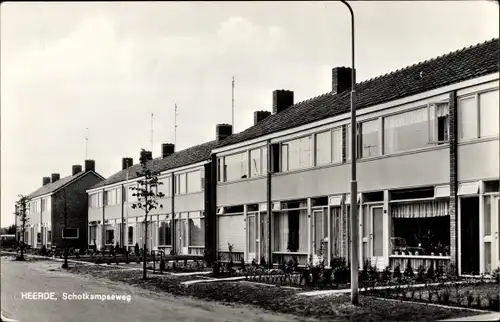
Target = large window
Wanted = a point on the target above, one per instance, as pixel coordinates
(165, 233)
(235, 166)
(194, 183)
(258, 162)
(110, 197)
(488, 114)
(467, 118)
(421, 227)
(180, 184)
(296, 154)
(196, 232)
(370, 140)
(94, 200)
(166, 187)
(44, 204)
(290, 231)
(406, 131)
(328, 147)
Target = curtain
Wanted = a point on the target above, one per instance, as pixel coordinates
(420, 209)
(280, 231)
(442, 109)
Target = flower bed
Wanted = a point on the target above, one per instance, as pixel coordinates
(477, 294)
(286, 301)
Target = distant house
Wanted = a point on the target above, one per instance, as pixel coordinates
(47, 205)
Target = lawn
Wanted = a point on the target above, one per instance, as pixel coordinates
(283, 300)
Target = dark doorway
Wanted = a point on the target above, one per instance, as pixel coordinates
(469, 235)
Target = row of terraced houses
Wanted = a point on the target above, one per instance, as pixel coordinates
(428, 176)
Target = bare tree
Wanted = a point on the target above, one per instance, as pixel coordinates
(147, 195)
(21, 213)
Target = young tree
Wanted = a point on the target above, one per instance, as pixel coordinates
(21, 213)
(147, 195)
(12, 230)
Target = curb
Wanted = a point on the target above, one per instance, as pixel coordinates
(4, 319)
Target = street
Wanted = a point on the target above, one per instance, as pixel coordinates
(45, 276)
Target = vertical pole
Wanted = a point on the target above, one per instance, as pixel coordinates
(175, 125)
(354, 183)
(86, 143)
(151, 133)
(232, 104)
(269, 205)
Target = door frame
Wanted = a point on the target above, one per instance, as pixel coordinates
(256, 224)
(459, 231)
(494, 232)
(324, 216)
(376, 259)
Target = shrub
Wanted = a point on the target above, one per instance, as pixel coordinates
(478, 301)
(363, 276)
(430, 272)
(496, 275)
(397, 272)
(421, 273)
(263, 261)
(409, 269)
(446, 296)
(470, 298)
(386, 274)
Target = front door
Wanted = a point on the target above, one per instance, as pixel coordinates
(181, 235)
(319, 232)
(252, 236)
(469, 235)
(377, 235)
(490, 234)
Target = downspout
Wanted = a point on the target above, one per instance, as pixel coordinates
(173, 251)
(122, 225)
(269, 204)
(103, 237)
(213, 209)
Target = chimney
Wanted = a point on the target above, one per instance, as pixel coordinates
(130, 162)
(341, 79)
(76, 169)
(89, 165)
(223, 131)
(126, 163)
(146, 155)
(259, 116)
(55, 177)
(167, 149)
(282, 99)
(45, 181)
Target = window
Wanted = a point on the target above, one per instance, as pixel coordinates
(420, 226)
(118, 196)
(166, 187)
(258, 162)
(196, 232)
(323, 148)
(235, 167)
(44, 204)
(488, 114)
(130, 197)
(467, 118)
(92, 234)
(348, 142)
(406, 131)
(290, 230)
(370, 142)
(49, 236)
(38, 238)
(296, 154)
(180, 184)
(337, 145)
(130, 235)
(93, 201)
(219, 169)
(439, 123)
(99, 199)
(110, 236)
(110, 197)
(165, 233)
(194, 181)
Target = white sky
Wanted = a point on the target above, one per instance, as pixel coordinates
(108, 66)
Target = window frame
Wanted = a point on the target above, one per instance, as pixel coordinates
(200, 181)
(478, 104)
(380, 140)
(287, 145)
(246, 157)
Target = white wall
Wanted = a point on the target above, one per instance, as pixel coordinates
(478, 160)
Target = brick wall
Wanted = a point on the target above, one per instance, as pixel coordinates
(453, 119)
(74, 198)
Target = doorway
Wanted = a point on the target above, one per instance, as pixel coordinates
(469, 235)
(252, 235)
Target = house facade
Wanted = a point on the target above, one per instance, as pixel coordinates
(179, 225)
(428, 170)
(48, 205)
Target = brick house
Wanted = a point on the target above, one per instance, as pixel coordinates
(57, 196)
(428, 170)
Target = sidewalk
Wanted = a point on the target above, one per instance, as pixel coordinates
(481, 317)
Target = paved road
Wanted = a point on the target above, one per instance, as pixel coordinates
(144, 306)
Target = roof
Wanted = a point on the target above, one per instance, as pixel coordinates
(54, 186)
(179, 159)
(458, 66)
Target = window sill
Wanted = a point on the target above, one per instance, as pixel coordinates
(478, 140)
(196, 247)
(221, 183)
(290, 253)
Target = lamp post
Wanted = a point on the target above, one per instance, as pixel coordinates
(354, 183)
